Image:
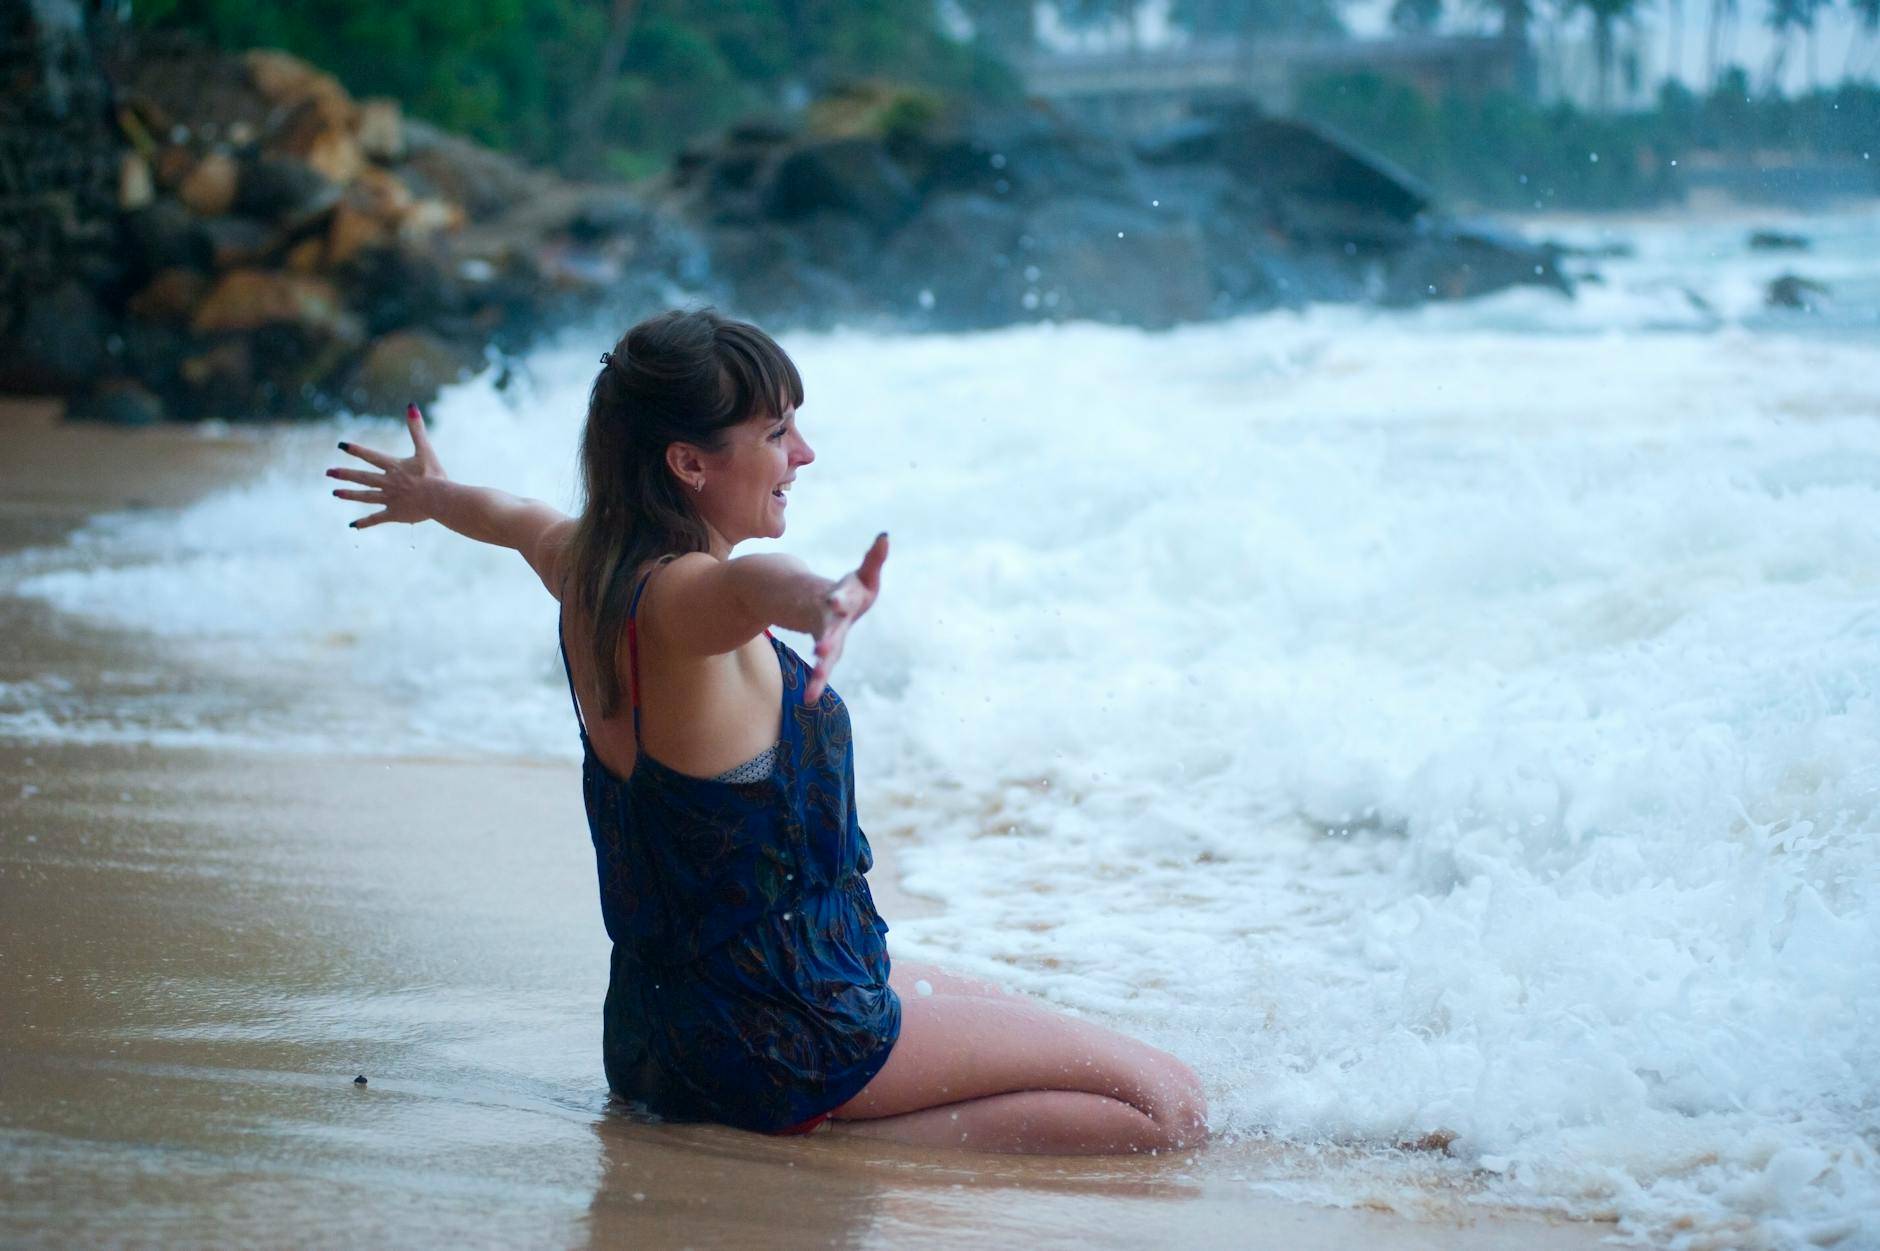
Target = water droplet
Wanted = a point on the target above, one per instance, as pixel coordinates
(923, 987)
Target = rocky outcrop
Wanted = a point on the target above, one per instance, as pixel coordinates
(268, 246)
(984, 220)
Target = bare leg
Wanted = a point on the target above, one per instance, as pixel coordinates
(906, 975)
(1003, 1073)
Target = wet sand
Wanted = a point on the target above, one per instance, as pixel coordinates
(200, 950)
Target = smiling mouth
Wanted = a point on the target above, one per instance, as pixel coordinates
(779, 495)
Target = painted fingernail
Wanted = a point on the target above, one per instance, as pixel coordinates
(345, 447)
(353, 524)
(411, 411)
(336, 492)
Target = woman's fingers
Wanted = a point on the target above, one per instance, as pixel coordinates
(369, 455)
(361, 497)
(357, 475)
(414, 423)
(877, 555)
(366, 523)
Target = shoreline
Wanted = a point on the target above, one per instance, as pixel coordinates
(203, 947)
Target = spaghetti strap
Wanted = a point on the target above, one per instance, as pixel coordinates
(561, 642)
(633, 647)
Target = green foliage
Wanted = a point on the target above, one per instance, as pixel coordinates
(1499, 151)
(525, 75)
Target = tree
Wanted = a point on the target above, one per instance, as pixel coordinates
(1606, 15)
(1240, 18)
(1416, 17)
(1723, 15)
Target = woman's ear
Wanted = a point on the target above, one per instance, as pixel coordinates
(685, 462)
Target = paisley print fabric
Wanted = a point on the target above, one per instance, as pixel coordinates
(749, 983)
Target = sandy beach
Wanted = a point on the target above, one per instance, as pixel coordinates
(201, 949)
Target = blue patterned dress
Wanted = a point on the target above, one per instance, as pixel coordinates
(749, 983)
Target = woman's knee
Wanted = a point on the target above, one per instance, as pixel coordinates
(1180, 1108)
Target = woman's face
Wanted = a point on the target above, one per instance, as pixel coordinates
(747, 479)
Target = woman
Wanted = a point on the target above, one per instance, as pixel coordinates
(750, 983)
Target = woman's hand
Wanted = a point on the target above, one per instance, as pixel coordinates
(400, 489)
(851, 596)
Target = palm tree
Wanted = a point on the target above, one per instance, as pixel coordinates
(1723, 14)
(1606, 14)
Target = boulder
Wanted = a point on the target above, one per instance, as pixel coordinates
(407, 367)
(56, 342)
(353, 230)
(1792, 291)
(245, 300)
(136, 184)
(237, 242)
(319, 133)
(118, 402)
(1113, 263)
(443, 166)
(952, 267)
(1451, 262)
(290, 193)
(165, 234)
(208, 190)
(853, 177)
(1776, 241)
(286, 82)
(171, 296)
(382, 130)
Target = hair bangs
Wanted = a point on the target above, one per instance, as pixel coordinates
(757, 374)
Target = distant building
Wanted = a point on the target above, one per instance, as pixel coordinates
(1134, 89)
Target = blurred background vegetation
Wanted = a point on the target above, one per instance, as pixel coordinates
(612, 88)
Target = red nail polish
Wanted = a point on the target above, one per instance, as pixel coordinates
(411, 411)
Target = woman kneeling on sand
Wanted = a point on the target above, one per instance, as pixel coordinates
(751, 983)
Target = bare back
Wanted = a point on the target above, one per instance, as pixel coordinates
(699, 715)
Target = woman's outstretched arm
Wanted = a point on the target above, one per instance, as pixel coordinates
(712, 606)
(417, 489)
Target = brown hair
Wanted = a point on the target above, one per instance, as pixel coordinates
(677, 377)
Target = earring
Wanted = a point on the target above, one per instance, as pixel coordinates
(698, 487)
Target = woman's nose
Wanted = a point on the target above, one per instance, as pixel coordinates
(804, 452)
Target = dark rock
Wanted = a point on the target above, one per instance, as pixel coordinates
(238, 241)
(1777, 241)
(119, 403)
(1108, 262)
(1449, 262)
(952, 267)
(1792, 291)
(57, 342)
(442, 166)
(848, 176)
(219, 381)
(286, 192)
(776, 280)
(1028, 156)
(166, 234)
(1318, 187)
(407, 367)
(359, 1080)
(172, 295)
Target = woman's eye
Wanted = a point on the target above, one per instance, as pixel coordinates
(778, 433)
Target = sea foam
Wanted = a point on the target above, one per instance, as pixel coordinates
(1457, 720)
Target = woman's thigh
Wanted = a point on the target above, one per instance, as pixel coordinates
(906, 976)
(955, 1047)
